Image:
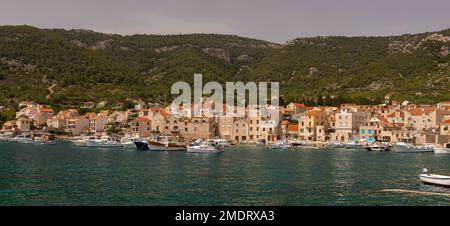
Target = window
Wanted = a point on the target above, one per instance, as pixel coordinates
(370, 131)
(363, 131)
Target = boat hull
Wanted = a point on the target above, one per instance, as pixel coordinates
(200, 150)
(435, 179)
(442, 150)
(145, 146)
(94, 144)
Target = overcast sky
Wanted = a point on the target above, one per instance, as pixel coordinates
(272, 20)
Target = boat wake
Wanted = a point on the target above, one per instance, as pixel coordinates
(416, 192)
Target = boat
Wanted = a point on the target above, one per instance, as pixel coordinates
(297, 143)
(281, 145)
(205, 147)
(161, 143)
(261, 142)
(128, 142)
(104, 142)
(222, 142)
(377, 148)
(354, 145)
(428, 178)
(334, 144)
(22, 139)
(445, 149)
(81, 142)
(401, 147)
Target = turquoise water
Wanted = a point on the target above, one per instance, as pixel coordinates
(63, 175)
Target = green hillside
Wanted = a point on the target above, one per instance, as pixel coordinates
(84, 65)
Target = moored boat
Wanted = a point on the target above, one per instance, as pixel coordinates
(280, 145)
(298, 143)
(427, 177)
(103, 142)
(161, 143)
(401, 147)
(445, 149)
(205, 147)
(355, 145)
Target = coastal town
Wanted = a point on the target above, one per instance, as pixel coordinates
(392, 122)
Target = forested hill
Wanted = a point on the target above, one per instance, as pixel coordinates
(83, 65)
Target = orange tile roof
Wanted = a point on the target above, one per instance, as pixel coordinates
(293, 128)
(313, 112)
(415, 111)
(90, 114)
(48, 110)
(298, 105)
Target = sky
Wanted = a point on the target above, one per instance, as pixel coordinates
(272, 20)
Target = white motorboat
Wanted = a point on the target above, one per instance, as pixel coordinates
(281, 145)
(354, 145)
(445, 149)
(81, 142)
(427, 177)
(104, 142)
(401, 147)
(20, 139)
(128, 142)
(205, 147)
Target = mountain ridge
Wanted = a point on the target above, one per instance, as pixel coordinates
(87, 65)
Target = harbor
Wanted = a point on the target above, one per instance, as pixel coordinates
(63, 174)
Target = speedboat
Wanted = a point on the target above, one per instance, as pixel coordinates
(434, 179)
(410, 148)
(205, 147)
(281, 145)
(445, 149)
(104, 142)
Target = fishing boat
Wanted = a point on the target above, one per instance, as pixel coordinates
(281, 145)
(104, 142)
(401, 147)
(205, 147)
(445, 149)
(427, 177)
(161, 143)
